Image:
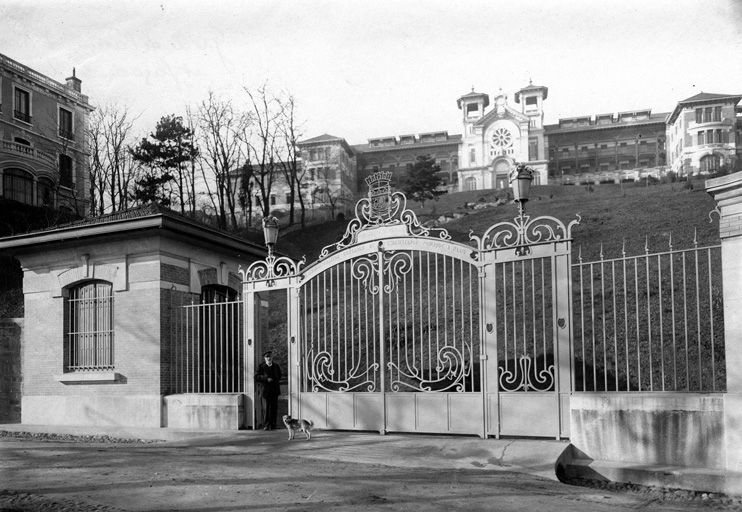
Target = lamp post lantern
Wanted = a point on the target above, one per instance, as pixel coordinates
(270, 232)
(520, 181)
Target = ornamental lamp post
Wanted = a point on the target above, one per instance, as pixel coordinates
(520, 181)
(270, 232)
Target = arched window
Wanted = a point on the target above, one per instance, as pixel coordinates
(18, 185)
(89, 327)
(45, 192)
(710, 164)
(470, 183)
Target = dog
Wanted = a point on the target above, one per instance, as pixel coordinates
(298, 425)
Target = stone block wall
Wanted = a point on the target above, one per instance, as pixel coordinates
(11, 331)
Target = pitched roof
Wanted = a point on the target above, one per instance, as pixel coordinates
(473, 94)
(325, 137)
(707, 96)
(531, 87)
(701, 97)
(147, 217)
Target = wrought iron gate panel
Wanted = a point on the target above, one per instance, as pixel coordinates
(433, 323)
(428, 310)
(524, 324)
(339, 343)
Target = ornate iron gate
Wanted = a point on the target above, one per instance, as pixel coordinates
(399, 328)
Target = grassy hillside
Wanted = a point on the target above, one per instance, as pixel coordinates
(610, 214)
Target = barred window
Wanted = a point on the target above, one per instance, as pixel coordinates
(89, 329)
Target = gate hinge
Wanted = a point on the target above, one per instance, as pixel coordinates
(483, 357)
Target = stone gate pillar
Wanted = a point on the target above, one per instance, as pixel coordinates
(727, 191)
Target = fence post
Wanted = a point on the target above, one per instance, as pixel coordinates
(727, 192)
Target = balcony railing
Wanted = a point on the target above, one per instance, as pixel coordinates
(22, 116)
(22, 149)
(45, 80)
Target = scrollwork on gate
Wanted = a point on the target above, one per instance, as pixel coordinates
(364, 270)
(527, 379)
(320, 370)
(524, 231)
(382, 208)
(396, 265)
(450, 372)
(271, 268)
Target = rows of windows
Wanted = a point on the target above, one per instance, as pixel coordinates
(316, 154)
(711, 137)
(710, 164)
(22, 111)
(708, 114)
(18, 185)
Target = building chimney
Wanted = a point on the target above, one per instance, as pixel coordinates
(73, 82)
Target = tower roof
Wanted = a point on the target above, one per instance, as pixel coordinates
(473, 95)
(532, 88)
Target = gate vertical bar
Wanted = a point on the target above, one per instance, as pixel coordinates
(249, 363)
(380, 338)
(294, 342)
(562, 286)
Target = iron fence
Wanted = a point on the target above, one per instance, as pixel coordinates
(208, 353)
(649, 322)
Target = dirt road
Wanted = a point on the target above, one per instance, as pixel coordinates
(262, 471)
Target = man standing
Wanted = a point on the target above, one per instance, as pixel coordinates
(269, 375)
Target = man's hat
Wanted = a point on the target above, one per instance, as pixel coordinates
(268, 354)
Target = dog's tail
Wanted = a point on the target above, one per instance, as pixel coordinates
(311, 423)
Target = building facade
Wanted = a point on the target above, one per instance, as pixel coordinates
(606, 147)
(395, 152)
(43, 153)
(493, 141)
(704, 134)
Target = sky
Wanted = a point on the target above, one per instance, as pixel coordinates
(374, 68)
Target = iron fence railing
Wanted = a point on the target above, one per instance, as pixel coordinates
(207, 355)
(650, 322)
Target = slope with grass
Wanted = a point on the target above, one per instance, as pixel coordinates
(610, 215)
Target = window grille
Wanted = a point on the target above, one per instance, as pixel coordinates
(89, 327)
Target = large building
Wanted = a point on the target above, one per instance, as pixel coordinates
(702, 135)
(43, 157)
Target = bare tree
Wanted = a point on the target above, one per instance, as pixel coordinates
(260, 136)
(112, 169)
(220, 129)
(289, 159)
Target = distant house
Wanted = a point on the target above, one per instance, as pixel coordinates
(43, 153)
(704, 133)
